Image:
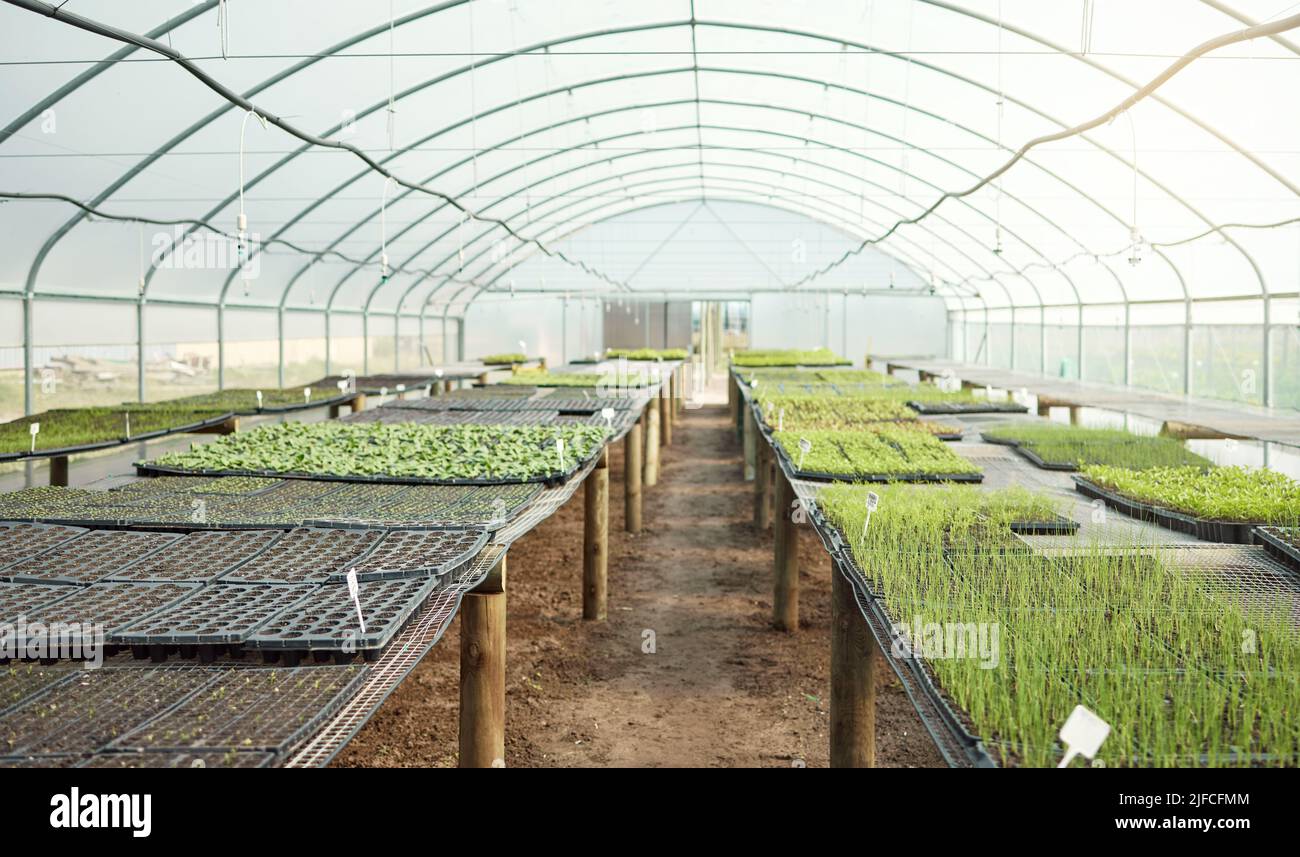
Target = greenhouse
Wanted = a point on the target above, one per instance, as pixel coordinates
(923, 378)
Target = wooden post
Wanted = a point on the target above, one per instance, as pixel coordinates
(750, 443)
(632, 478)
(359, 403)
(446, 386)
(595, 540)
(785, 542)
(853, 680)
(1074, 415)
(761, 521)
(773, 473)
(483, 673)
(59, 471)
(732, 396)
(483, 379)
(651, 477)
(665, 416)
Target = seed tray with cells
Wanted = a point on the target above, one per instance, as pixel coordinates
(88, 557)
(415, 553)
(282, 503)
(200, 556)
(267, 710)
(306, 555)
(221, 614)
(22, 680)
(109, 607)
(21, 540)
(91, 708)
(327, 622)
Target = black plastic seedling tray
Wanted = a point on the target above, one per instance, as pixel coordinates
(21, 600)
(1061, 526)
(249, 710)
(306, 555)
(20, 540)
(88, 557)
(555, 477)
(415, 553)
(328, 622)
(220, 614)
(23, 680)
(1278, 546)
(56, 452)
(199, 759)
(84, 714)
(111, 606)
(959, 408)
(818, 476)
(1223, 532)
(200, 556)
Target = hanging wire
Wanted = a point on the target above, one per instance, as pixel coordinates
(223, 28)
(1085, 36)
(392, 81)
(1000, 107)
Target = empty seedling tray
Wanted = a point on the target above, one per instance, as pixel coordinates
(21, 600)
(327, 621)
(219, 614)
(110, 606)
(20, 681)
(306, 555)
(86, 712)
(21, 540)
(199, 557)
(415, 553)
(266, 709)
(88, 557)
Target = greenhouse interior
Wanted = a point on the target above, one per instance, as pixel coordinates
(923, 378)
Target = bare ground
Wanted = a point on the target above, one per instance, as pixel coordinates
(720, 687)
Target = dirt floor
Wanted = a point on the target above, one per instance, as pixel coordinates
(687, 671)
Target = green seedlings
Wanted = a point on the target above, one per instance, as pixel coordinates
(542, 378)
(504, 359)
(789, 357)
(73, 427)
(1074, 446)
(646, 353)
(400, 450)
(892, 452)
(1183, 676)
(1219, 494)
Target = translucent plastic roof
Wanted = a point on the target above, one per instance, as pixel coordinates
(569, 119)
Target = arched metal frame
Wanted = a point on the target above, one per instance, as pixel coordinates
(30, 293)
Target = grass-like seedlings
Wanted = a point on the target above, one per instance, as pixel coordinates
(1237, 494)
(1183, 677)
(1076, 446)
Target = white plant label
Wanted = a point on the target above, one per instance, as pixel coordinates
(608, 414)
(126, 417)
(559, 448)
(343, 388)
(259, 400)
(1082, 734)
(437, 373)
(805, 447)
(306, 394)
(34, 429)
(354, 589)
(523, 347)
(401, 388)
(383, 391)
(873, 503)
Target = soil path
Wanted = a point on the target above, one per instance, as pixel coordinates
(687, 671)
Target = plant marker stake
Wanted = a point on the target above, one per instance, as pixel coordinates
(873, 502)
(355, 591)
(780, 420)
(401, 388)
(306, 394)
(805, 447)
(383, 391)
(437, 373)
(127, 416)
(34, 429)
(259, 400)
(343, 388)
(559, 447)
(608, 414)
(1082, 734)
